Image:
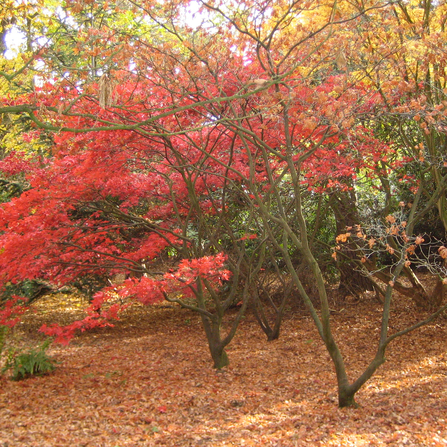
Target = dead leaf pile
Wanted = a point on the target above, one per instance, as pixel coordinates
(149, 381)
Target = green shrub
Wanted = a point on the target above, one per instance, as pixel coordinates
(31, 289)
(35, 362)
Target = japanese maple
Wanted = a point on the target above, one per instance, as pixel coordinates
(202, 143)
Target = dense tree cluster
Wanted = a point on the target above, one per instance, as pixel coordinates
(226, 155)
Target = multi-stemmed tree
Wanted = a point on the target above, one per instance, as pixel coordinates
(202, 141)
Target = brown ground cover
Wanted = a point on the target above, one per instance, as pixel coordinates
(149, 382)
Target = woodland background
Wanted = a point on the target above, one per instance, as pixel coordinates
(194, 173)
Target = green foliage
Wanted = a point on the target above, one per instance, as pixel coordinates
(30, 288)
(10, 189)
(35, 362)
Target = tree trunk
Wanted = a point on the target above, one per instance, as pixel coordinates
(346, 398)
(215, 343)
(219, 356)
(352, 281)
(272, 330)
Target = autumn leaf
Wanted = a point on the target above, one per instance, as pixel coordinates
(419, 240)
(390, 219)
(342, 237)
(442, 252)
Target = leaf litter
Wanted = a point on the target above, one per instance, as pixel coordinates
(149, 381)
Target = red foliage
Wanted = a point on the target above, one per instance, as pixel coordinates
(16, 163)
(12, 310)
(113, 201)
(144, 290)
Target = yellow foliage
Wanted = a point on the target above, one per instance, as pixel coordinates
(342, 237)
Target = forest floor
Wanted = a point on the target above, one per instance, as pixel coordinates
(149, 381)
